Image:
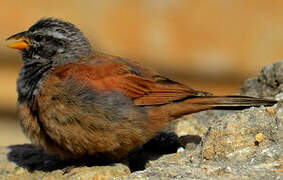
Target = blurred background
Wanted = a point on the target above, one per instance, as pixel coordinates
(210, 45)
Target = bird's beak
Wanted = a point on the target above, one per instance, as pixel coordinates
(23, 42)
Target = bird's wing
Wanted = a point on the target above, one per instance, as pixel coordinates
(131, 80)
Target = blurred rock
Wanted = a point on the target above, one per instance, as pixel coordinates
(269, 83)
(218, 145)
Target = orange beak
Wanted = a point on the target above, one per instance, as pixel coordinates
(23, 42)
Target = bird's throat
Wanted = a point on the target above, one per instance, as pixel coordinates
(31, 75)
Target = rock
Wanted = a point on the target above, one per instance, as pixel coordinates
(233, 137)
(269, 83)
(212, 144)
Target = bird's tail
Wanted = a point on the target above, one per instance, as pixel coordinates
(230, 101)
(195, 104)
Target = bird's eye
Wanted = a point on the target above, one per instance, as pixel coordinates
(48, 38)
(38, 38)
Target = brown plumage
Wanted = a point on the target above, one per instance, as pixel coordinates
(76, 102)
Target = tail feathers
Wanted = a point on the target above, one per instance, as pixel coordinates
(231, 101)
(200, 103)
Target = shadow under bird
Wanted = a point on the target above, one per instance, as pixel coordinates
(79, 103)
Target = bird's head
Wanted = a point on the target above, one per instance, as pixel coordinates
(53, 40)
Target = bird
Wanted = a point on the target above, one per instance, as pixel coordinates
(77, 103)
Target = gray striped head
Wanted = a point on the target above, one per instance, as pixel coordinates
(56, 40)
